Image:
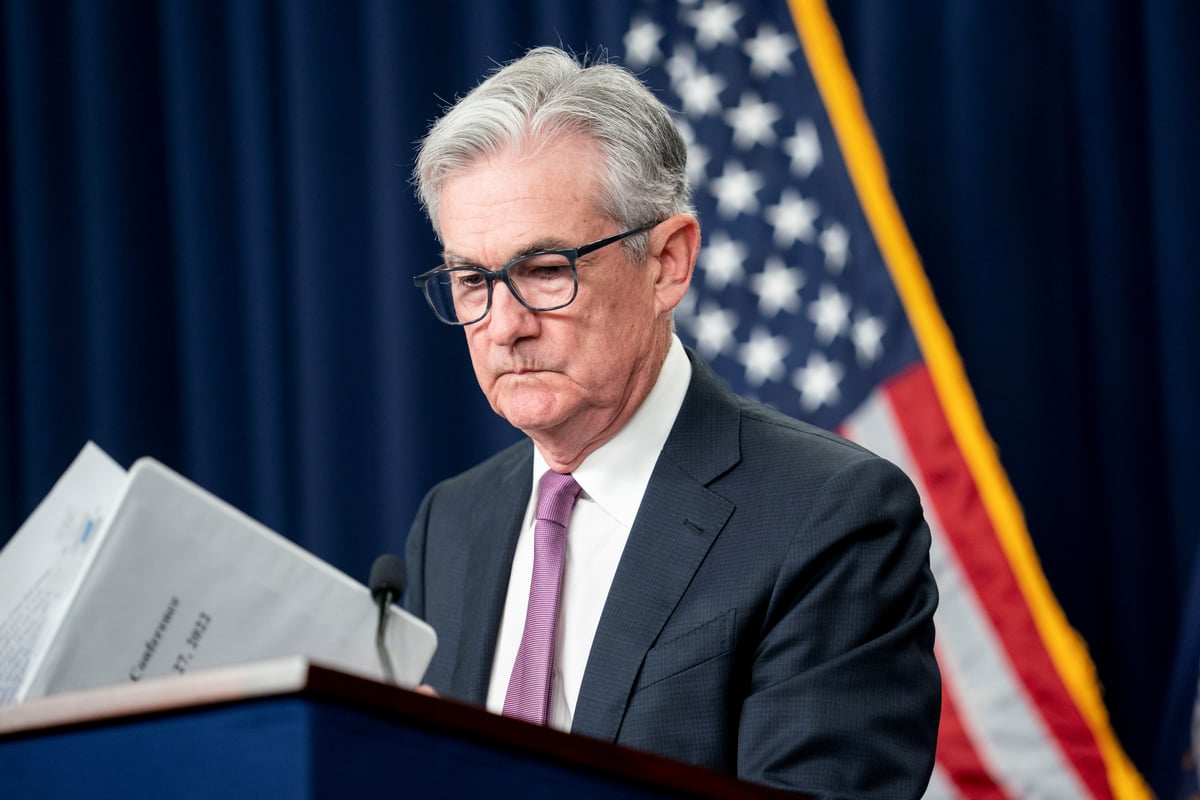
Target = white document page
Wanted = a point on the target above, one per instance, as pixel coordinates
(186, 581)
(40, 565)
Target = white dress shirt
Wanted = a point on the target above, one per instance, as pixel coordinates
(613, 480)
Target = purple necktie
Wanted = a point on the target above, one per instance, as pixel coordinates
(528, 696)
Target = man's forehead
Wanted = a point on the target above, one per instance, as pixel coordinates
(516, 250)
(518, 202)
(562, 165)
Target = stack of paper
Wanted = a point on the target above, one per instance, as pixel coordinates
(122, 576)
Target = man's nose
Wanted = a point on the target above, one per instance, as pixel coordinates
(509, 319)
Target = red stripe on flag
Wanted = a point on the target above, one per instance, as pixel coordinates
(957, 755)
(969, 531)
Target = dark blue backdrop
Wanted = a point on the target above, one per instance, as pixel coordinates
(207, 235)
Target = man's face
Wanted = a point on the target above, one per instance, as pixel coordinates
(553, 374)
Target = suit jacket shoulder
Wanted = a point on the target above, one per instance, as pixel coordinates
(781, 573)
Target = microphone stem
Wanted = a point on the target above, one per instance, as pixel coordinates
(385, 658)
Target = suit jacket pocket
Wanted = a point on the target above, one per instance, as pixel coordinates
(689, 649)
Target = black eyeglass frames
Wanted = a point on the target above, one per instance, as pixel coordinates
(545, 281)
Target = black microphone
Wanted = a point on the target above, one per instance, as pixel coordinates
(387, 585)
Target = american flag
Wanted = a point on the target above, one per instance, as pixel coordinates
(809, 296)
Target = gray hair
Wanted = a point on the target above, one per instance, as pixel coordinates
(547, 94)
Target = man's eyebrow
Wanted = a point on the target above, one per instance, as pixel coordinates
(539, 246)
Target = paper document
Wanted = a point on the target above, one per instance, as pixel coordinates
(180, 580)
(41, 564)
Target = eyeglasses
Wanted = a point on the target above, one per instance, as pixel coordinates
(545, 281)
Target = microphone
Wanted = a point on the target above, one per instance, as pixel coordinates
(387, 585)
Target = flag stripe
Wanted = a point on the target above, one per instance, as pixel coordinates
(993, 716)
(962, 763)
(941, 787)
(968, 532)
(836, 85)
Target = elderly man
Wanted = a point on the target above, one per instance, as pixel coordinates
(661, 564)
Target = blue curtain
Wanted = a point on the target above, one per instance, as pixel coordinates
(207, 235)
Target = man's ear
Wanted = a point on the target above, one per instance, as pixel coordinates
(674, 243)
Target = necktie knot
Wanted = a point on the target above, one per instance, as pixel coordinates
(557, 493)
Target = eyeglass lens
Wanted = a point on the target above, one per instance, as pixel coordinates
(543, 281)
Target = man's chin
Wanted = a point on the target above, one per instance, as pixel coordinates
(531, 411)
(531, 423)
(535, 401)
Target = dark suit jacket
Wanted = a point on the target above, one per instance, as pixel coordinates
(771, 616)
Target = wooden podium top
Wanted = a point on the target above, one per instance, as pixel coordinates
(297, 675)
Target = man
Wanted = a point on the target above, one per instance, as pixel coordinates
(739, 590)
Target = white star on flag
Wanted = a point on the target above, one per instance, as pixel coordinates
(778, 287)
(753, 121)
(867, 335)
(763, 357)
(835, 243)
(641, 43)
(697, 154)
(770, 52)
(698, 90)
(714, 24)
(817, 381)
(830, 312)
(737, 190)
(804, 148)
(713, 327)
(793, 218)
(722, 260)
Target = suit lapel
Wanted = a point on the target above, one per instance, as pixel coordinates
(677, 523)
(489, 563)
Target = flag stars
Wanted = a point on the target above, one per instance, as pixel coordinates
(818, 382)
(793, 219)
(697, 154)
(722, 261)
(641, 43)
(770, 52)
(697, 163)
(699, 91)
(763, 357)
(714, 329)
(758, 314)
(686, 309)
(778, 288)
(714, 24)
(681, 63)
(700, 94)
(867, 335)
(753, 121)
(737, 190)
(830, 312)
(803, 148)
(835, 243)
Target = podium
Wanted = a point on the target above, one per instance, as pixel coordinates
(289, 728)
